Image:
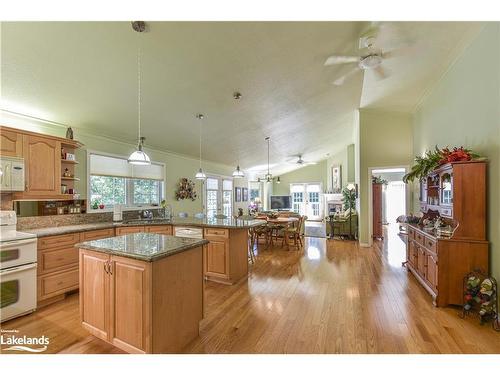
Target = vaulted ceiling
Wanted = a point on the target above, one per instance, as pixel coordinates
(84, 74)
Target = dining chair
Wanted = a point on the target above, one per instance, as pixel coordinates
(295, 233)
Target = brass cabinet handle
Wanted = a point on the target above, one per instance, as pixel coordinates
(106, 267)
(110, 268)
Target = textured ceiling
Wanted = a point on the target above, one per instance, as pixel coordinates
(84, 74)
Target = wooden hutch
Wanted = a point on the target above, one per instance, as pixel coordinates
(455, 191)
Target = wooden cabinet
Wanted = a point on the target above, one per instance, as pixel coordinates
(226, 255)
(11, 143)
(117, 294)
(217, 258)
(440, 264)
(121, 231)
(57, 267)
(159, 229)
(130, 304)
(42, 157)
(94, 293)
(377, 210)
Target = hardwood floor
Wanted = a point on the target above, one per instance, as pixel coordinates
(330, 297)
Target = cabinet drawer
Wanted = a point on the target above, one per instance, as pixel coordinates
(97, 234)
(58, 241)
(128, 230)
(446, 211)
(420, 238)
(160, 229)
(216, 232)
(411, 233)
(430, 244)
(57, 283)
(54, 259)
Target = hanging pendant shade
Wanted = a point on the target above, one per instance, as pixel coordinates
(139, 157)
(238, 173)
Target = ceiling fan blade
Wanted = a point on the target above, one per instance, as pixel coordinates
(340, 81)
(309, 163)
(334, 60)
(380, 72)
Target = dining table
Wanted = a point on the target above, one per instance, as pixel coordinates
(286, 221)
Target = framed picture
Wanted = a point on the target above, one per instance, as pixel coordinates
(237, 194)
(244, 194)
(336, 179)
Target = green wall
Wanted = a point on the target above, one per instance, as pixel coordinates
(310, 173)
(385, 140)
(463, 108)
(177, 166)
(351, 163)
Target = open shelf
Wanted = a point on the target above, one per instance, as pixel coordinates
(69, 161)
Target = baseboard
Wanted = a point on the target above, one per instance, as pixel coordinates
(364, 244)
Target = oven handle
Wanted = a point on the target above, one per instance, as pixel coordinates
(7, 245)
(8, 271)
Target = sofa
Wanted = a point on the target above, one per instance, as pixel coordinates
(342, 226)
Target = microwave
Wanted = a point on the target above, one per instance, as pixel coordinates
(11, 174)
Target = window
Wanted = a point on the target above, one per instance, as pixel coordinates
(218, 196)
(113, 181)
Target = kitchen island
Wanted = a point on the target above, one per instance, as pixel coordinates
(142, 292)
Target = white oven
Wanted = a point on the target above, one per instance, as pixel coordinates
(18, 257)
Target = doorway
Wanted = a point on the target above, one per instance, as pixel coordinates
(218, 196)
(389, 198)
(307, 199)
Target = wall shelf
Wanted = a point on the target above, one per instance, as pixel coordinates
(69, 161)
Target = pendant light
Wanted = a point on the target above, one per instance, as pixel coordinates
(139, 157)
(200, 175)
(278, 181)
(238, 173)
(268, 176)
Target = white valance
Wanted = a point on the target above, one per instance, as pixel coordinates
(105, 165)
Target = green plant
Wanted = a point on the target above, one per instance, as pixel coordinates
(349, 199)
(379, 180)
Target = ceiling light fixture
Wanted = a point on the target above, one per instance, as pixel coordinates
(237, 96)
(278, 181)
(139, 157)
(200, 175)
(238, 173)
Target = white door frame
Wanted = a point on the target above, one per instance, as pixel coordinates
(204, 192)
(321, 200)
(370, 198)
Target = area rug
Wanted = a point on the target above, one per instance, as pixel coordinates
(315, 229)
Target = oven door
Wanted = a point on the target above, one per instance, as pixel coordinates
(17, 291)
(17, 253)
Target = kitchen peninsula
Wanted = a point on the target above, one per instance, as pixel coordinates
(142, 292)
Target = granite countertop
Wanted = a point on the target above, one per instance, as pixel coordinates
(148, 247)
(229, 223)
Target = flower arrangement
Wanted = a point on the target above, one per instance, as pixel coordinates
(185, 190)
(434, 158)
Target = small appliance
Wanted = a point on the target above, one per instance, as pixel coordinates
(18, 259)
(117, 212)
(11, 174)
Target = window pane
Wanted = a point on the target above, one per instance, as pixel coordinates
(146, 191)
(107, 190)
(211, 203)
(212, 183)
(227, 185)
(226, 202)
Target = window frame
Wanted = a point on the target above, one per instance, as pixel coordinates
(129, 194)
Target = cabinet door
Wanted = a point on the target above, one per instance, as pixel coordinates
(11, 143)
(377, 210)
(131, 304)
(94, 293)
(43, 165)
(216, 258)
(413, 254)
(432, 271)
(422, 261)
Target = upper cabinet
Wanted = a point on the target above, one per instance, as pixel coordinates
(42, 158)
(47, 174)
(11, 143)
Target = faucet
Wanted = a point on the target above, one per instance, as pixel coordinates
(147, 214)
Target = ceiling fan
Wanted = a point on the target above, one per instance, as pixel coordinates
(301, 161)
(371, 57)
